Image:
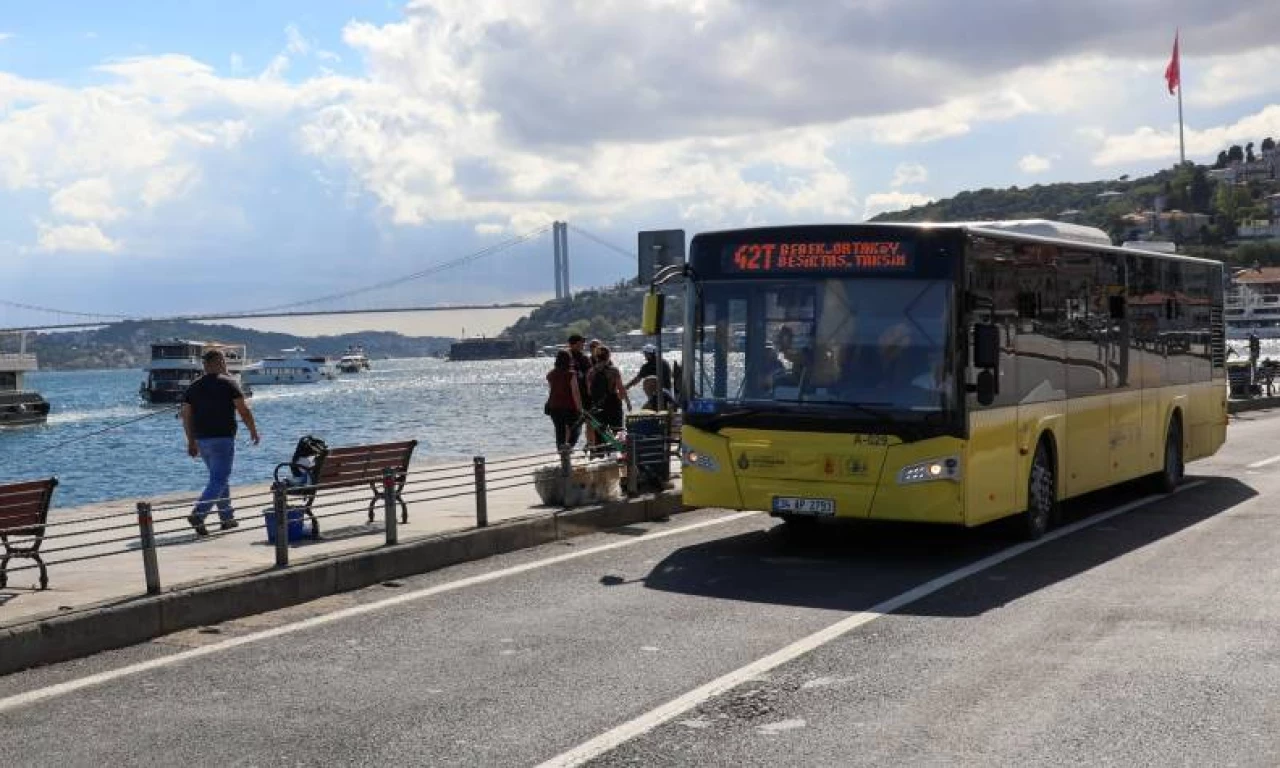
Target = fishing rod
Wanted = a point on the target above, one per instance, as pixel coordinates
(95, 433)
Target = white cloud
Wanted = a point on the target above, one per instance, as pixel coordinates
(74, 237)
(87, 200)
(909, 173)
(882, 202)
(168, 182)
(1034, 164)
(5, 36)
(1232, 78)
(506, 114)
(1147, 143)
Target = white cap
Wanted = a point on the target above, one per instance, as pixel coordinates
(649, 349)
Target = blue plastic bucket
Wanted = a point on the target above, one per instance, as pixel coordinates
(297, 529)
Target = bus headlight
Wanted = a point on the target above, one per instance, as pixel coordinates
(934, 469)
(691, 458)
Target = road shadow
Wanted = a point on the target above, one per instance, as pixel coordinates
(852, 567)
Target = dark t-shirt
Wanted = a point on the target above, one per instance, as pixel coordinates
(650, 368)
(213, 410)
(581, 367)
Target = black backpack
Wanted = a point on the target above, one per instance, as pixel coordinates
(309, 447)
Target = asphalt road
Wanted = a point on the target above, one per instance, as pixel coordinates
(1146, 637)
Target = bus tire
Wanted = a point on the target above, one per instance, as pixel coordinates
(1170, 475)
(1042, 496)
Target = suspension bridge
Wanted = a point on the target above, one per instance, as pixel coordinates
(329, 304)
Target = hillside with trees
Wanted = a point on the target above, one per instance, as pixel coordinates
(1113, 205)
(603, 314)
(127, 344)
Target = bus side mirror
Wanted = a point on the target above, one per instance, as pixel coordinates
(986, 389)
(986, 346)
(651, 318)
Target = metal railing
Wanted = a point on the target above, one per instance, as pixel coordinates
(152, 525)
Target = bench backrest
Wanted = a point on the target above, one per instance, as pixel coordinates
(361, 464)
(25, 506)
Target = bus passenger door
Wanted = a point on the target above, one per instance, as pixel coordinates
(991, 463)
(1088, 451)
(1124, 375)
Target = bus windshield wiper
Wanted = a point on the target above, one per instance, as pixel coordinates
(715, 421)
(905, 429)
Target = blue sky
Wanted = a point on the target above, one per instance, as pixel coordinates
(160, 157)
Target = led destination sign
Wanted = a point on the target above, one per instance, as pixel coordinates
(837, 256)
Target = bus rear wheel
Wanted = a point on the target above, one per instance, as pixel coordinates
(1042, 497)
(1170, 475)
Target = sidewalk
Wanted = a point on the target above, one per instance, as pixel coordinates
(186, 559)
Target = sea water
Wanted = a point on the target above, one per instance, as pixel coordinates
(454, 410)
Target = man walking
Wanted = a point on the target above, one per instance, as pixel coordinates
(209, 409)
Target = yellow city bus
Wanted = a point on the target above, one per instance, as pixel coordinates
(943, 373)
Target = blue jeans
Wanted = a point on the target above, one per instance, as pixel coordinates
(218, 454)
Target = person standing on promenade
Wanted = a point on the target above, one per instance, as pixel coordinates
(582, 369)
(209, 408)
(564, 401)
(606, 394)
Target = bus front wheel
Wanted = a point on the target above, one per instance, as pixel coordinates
(1042, 493)
(1170, 475)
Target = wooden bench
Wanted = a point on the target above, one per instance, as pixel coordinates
(24, 509)
(356, 465)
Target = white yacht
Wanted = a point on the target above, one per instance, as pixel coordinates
(295, 367)
(1252, 303)
(18, 405)
(176, 363)
(354, 361)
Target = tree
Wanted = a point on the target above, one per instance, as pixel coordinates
(1223, 161)
(1235, 154)
(1200, 192)
(1248, 152)
(1230, 202)
(1268, 144)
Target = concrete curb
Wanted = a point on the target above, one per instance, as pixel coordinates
(118, 624)
(1253, 404)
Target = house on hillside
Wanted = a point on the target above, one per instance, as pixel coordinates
(1265, 167)
(1164, 223)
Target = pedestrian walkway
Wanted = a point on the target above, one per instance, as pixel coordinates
(112, 570)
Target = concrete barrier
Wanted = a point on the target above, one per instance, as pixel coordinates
(50, 639)
(1253, 404)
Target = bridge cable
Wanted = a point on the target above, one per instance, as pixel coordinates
(432, 270)
(629, 255)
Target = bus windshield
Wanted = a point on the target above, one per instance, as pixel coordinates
(875, 347)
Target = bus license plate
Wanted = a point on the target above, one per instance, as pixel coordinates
(795, 505)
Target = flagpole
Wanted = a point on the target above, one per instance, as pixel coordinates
(1182, 142)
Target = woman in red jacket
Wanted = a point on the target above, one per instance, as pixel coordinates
(564, 402)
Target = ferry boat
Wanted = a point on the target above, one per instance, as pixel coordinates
(18, 405)
(1252, 304)
(175, 363)
(295, 367)
(354, 361)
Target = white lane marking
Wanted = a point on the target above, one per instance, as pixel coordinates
(1263, 463)
(615, 737)
(61, 689)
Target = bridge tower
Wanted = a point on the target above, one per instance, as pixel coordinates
(560, 243)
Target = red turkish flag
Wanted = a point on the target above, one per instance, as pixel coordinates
(1173, 72)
